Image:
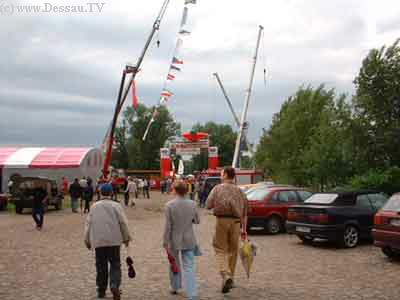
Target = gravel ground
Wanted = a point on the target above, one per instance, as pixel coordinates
(54, 263)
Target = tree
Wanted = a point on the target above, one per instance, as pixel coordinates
(221, 136)
(377, 108)
(128, 139)
(307, 139)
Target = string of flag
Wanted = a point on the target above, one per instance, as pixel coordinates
(175, 67)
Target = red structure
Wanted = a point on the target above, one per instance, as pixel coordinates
(194, 137)
(165, 162)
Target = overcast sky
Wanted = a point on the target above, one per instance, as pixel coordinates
(60, 72)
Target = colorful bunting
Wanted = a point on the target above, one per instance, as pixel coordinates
(166, 93)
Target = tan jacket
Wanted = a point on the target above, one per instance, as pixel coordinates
(180, 215)
(106, 225)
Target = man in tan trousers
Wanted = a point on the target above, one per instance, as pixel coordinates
(230, 208)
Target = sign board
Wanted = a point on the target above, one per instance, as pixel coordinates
(165, 153)
(213, 152)
(190, 148)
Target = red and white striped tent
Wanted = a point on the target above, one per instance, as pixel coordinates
(53, 163)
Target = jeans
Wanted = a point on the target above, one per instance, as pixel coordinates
(37, 215)
(188, 270)
(105, 256)
(74, 204)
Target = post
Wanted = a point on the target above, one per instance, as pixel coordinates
(246, 104)
(227, 99)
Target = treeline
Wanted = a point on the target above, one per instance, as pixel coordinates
(324, 140)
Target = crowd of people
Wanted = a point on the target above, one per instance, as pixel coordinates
(106, 229)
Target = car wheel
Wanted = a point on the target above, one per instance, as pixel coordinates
(305, 239)
(274, 225)
(389, 252)
(350, 237)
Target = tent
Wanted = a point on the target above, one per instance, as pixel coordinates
(53, 163)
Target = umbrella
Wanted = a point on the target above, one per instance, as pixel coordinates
(172, 262)
(247, 252)
(129, 262)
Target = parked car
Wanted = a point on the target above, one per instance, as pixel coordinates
(269, 204)
(344, 217)
(3, 201)
(386, 231)
(23, 190)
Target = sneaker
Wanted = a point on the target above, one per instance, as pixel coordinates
(116, 293)
(227, 286)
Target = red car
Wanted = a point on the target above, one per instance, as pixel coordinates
(269, 204)
(386, 231)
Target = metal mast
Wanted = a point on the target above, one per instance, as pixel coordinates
(122, 94)
(243, 125)
(235, 116)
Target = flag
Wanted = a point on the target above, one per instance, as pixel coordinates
(134, 97)
(181, 168)
(190, 2)
(184, 32)
(166, 93)
(177, 61)
(170, 77)
(175, 68)
(184, 17)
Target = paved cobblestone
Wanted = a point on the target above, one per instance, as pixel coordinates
(54, 264)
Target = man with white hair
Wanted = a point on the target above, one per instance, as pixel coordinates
(105, 231)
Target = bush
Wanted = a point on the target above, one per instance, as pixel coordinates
(387, 181)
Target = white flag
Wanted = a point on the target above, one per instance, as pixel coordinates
(184, 17)
(181, 168)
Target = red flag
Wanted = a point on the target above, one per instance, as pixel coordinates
(177, 61)
(134, 97)
(170, 77)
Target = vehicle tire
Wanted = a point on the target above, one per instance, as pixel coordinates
(19, 209)
(274, 225)
(390, 253)
(305, 239)
(351, 237)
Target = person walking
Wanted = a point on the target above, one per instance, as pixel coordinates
(146, 188)
(131, 191)
(75, 191)
(87, 195)
(180, 240)
(106, 229)
(140, 186)
(65, 185)
(230, 208)
(40, 196)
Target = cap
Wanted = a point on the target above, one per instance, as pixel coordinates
(106, 188)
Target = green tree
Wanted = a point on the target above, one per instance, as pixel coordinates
(221, 136)
(377, 108)
(129, 144)
(307, 139)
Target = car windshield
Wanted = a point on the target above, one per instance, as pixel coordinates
(257, 194)
(393, 204)
(321, 199)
